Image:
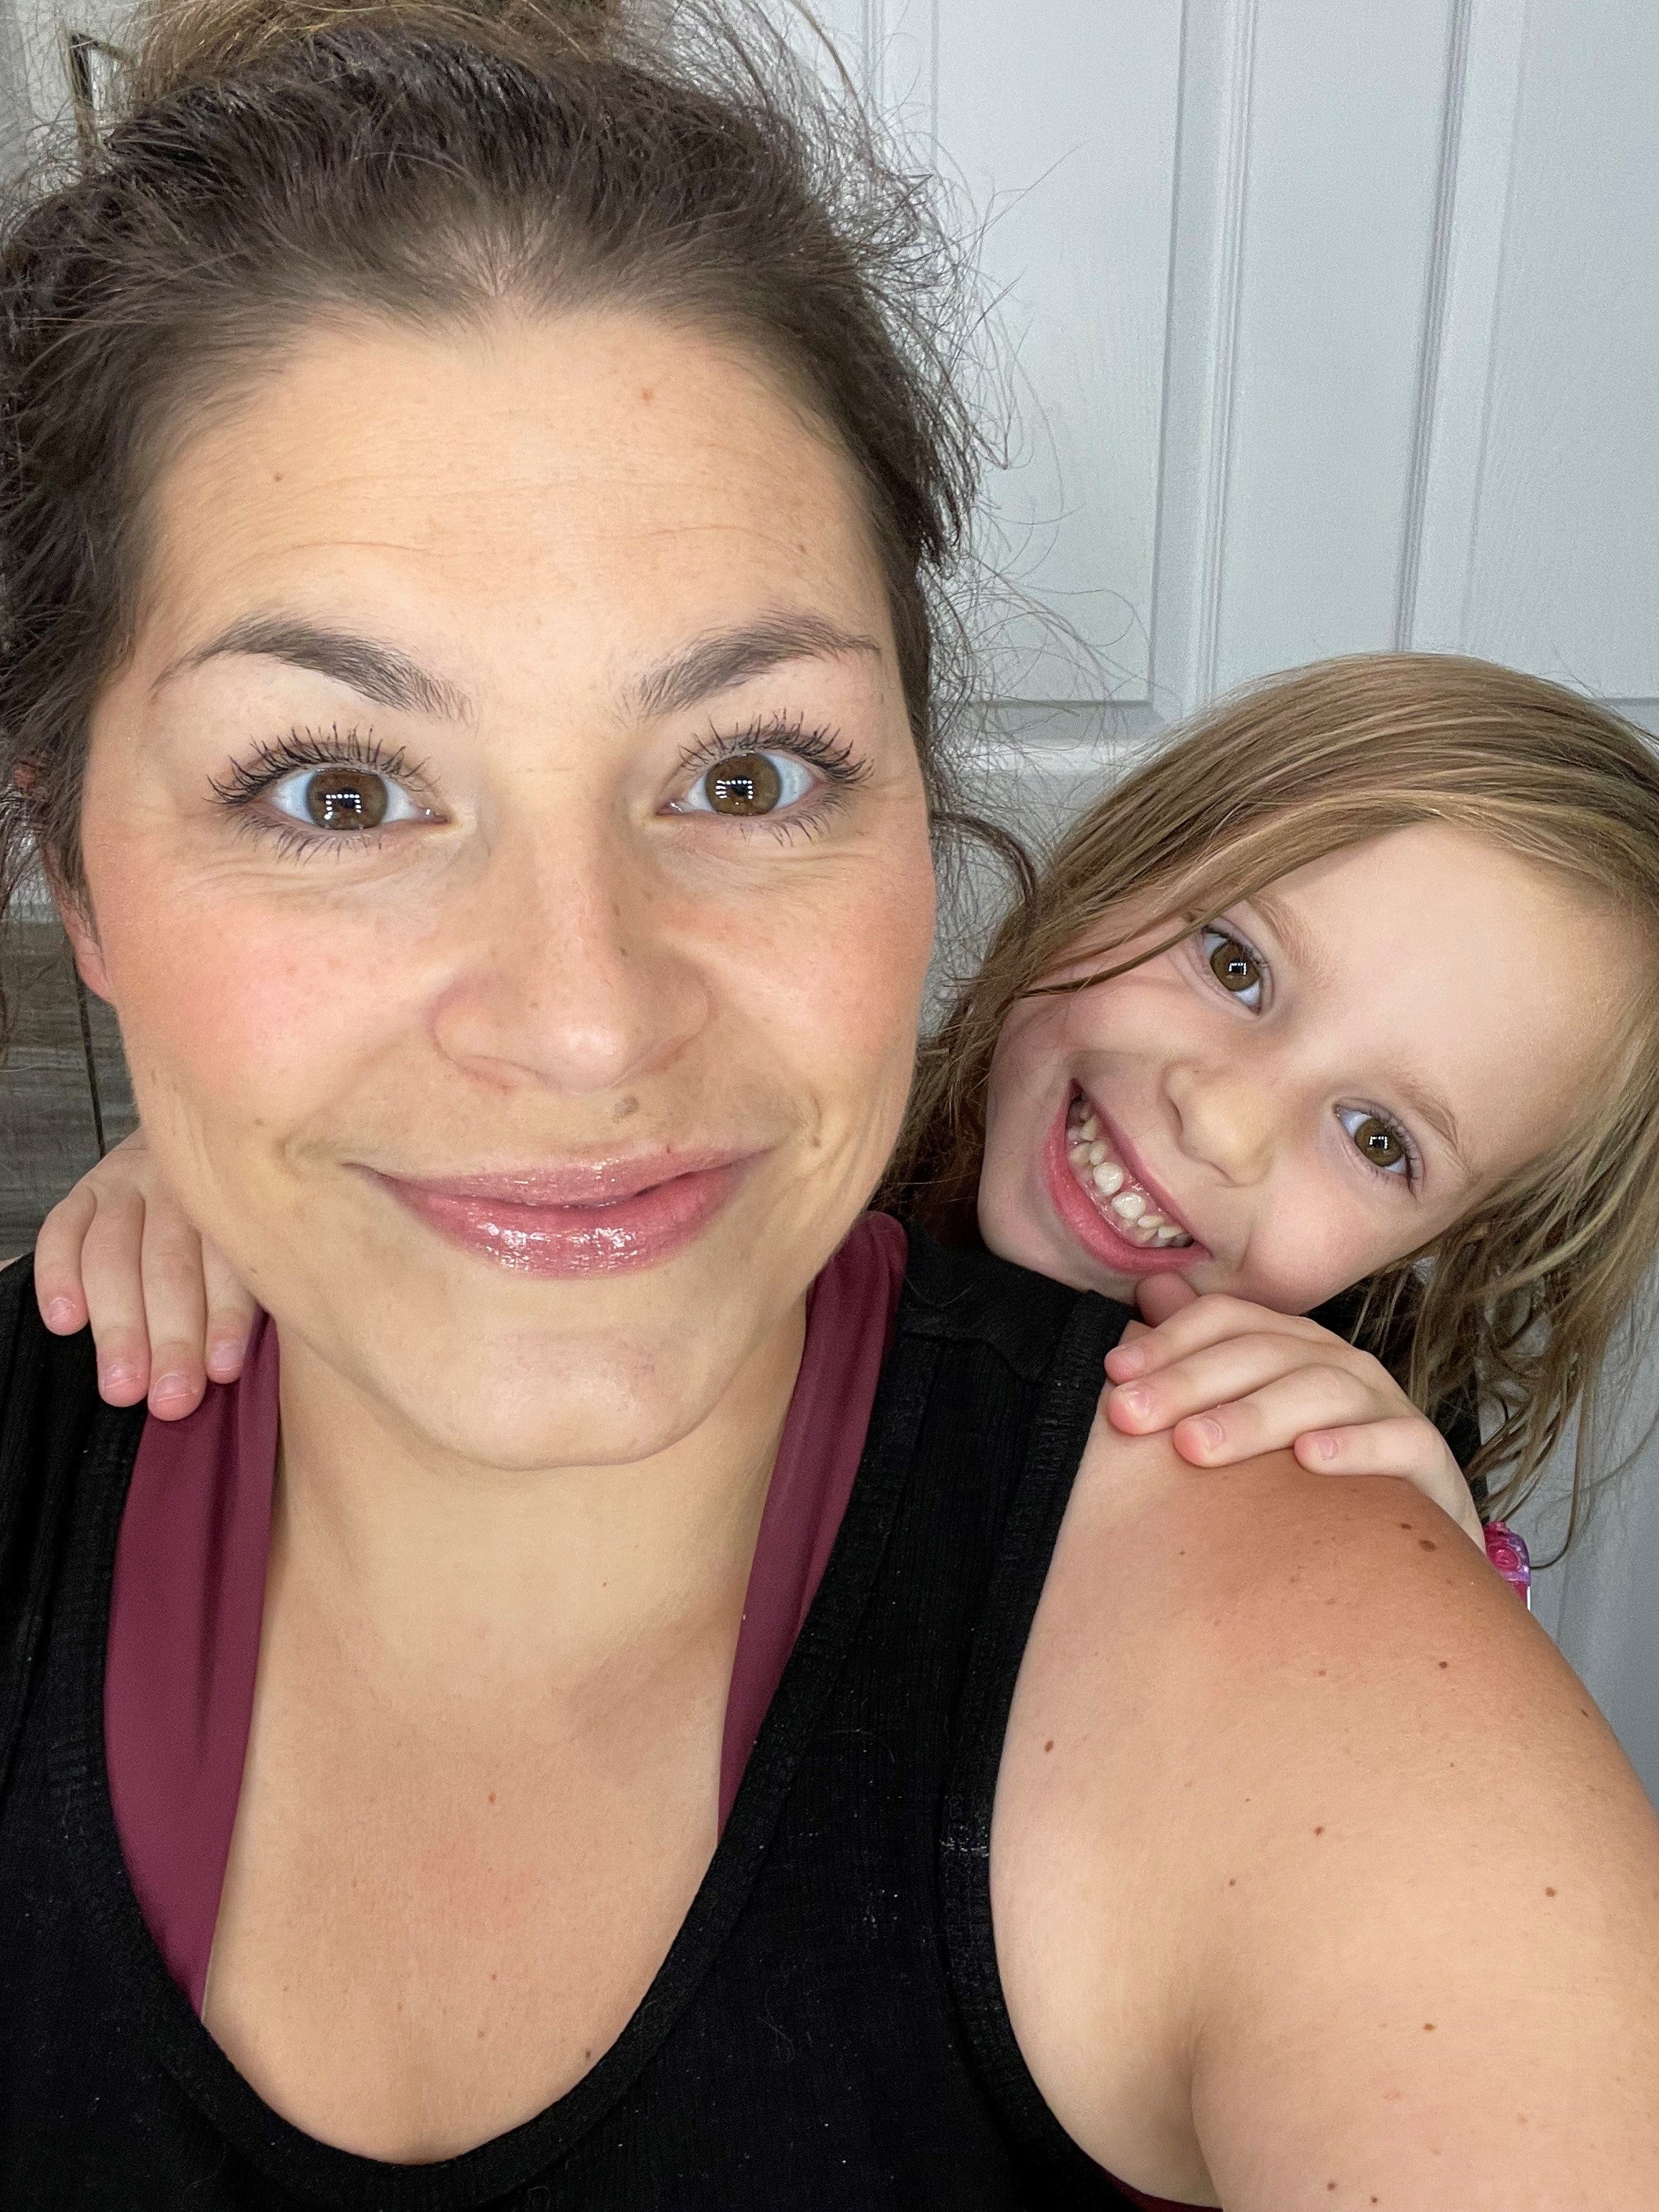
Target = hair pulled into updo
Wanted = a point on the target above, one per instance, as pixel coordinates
(271, 163)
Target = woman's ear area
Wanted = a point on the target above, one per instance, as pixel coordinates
(74, 908)
(81, 927)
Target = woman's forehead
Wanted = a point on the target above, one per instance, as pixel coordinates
(618, 467)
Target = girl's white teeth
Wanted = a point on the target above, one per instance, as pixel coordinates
(1093, 1163)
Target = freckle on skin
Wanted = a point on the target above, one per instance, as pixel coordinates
(492, 1796)
(1319, 1832)
(1405, 1524)
(1445, 1664)
(1427, 1544)
(1049, 1745)
(1428, 2027)
(1549, 1892)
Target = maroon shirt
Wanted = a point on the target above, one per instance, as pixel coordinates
(190, 1582)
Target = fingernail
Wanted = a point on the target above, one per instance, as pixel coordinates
(1324, 1445)
(117, 1377)
(226, 1353)
(60, 1312)
(1128, 1358)
(1211, 1432)
(1132, 1401)
(166, 1387)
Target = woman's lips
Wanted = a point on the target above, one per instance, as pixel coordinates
(566, 1222)
(1091, 1227)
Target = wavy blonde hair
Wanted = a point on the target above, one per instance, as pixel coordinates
(1519, 1300)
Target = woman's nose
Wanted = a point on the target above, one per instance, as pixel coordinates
(1228, 1118)
(574, 975)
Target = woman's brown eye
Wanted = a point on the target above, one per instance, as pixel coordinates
(346, 798)
(748, 783)
(1378, 1142)
(1233, 968)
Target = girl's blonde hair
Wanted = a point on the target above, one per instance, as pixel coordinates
(1519, 1300)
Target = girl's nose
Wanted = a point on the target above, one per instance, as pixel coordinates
(1227, 1118)
(572, 978)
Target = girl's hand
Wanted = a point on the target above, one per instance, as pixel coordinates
(1228, 1380)
(168, 1316)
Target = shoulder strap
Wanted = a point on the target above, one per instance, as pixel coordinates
(48, 1395)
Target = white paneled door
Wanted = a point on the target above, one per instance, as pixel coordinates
(1333, 327)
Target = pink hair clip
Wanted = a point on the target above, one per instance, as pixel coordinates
(1507, 1551)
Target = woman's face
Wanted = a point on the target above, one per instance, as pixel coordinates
(1322, 1083)
(507, 858)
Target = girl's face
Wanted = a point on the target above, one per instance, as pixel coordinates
(508, 859)
(1322, 1082)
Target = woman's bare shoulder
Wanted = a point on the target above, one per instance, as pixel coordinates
(1306, 1837)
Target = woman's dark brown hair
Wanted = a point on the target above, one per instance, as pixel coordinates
(272, 165)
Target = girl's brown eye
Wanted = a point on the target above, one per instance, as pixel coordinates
(747, 783)
(345, 798)
(1379, 1143)
(1233, 968)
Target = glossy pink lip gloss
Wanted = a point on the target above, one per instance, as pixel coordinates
(1089, 1225)
(566, 1223)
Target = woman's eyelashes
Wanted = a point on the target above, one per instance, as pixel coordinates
(346, 791)
(779, 774)
(324, 788)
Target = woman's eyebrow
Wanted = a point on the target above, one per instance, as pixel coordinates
(729, 657)
(379, 672)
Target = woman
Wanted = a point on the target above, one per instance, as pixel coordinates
(466, 527)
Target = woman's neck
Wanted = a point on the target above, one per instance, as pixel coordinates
(419, 1560)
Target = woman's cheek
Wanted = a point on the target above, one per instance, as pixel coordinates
(245, 1011)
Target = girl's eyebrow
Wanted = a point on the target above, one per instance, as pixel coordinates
(1431, 1107)
(1292, 933)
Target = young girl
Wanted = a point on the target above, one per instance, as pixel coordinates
(1249, 1043)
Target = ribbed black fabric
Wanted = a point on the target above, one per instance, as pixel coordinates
(827, 2029)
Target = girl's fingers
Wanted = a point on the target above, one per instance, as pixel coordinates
(230, 1312)
(111, 1277)
(1213, 1379)
(1206, 1321)
(175, 1307)
(1407, 1446)
(58, 1289)
(1272, 1418)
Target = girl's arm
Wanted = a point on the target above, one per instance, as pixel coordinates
(167, 1314)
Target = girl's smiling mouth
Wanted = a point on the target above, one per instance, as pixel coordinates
(1120, 1220)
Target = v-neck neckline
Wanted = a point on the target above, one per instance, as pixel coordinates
(347, 2181)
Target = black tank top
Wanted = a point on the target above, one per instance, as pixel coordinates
(827, 2029)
